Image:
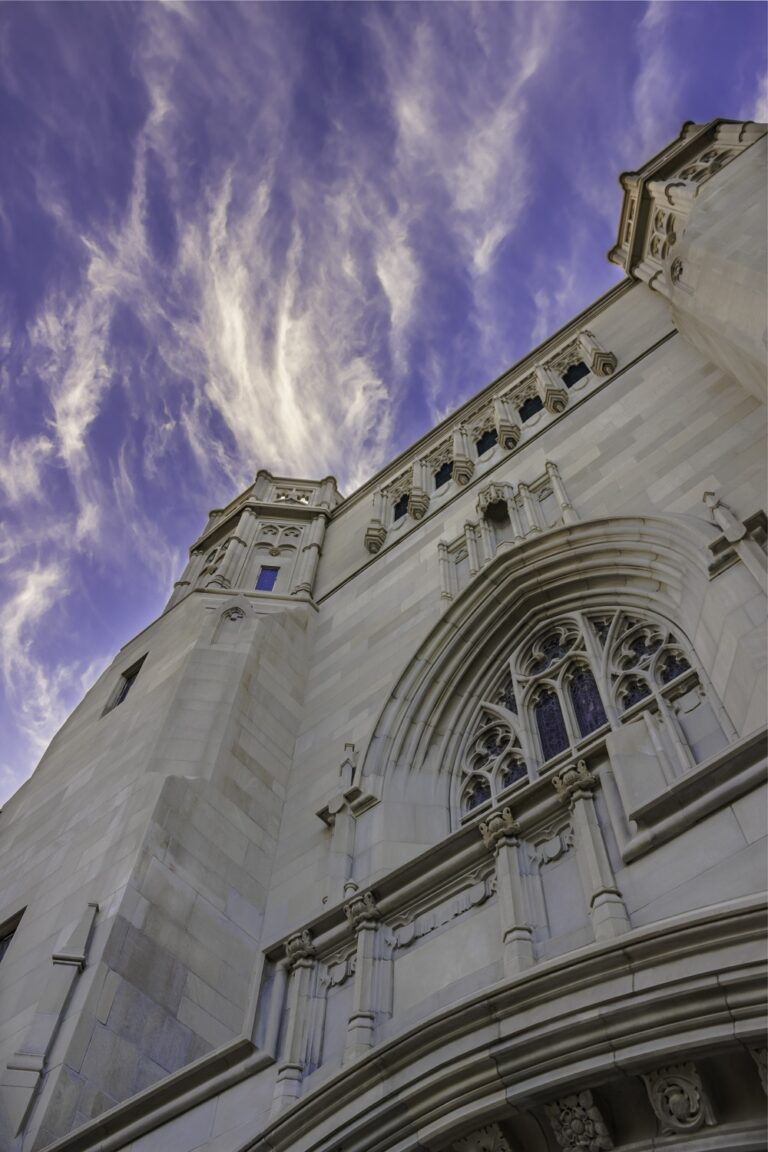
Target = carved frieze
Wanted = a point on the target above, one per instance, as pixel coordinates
(577, 1123)
(487, 1139)
(551, 844)
(405, 929)
(760, 1057)
(678, 1098)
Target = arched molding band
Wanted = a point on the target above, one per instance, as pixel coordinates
(653, 565)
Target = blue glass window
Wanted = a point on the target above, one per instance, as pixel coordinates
(486, 441)
(633, 691)
(401, 507)
(549, 721)
(575, 373)
(586, 701)
(673, 665)
(477, 793)
(531, 406)
(443, 474)
(266, 580)
(512, 772)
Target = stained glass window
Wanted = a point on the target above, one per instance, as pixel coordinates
(633, 691)
(486, 441)
(478, 791)
(513, 772)
(586, 701)
(530, 407)
(575, 373)
(507, 698)
(673, 665)
(549, 720)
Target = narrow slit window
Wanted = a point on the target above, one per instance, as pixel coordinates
(7, 932)
(127, 681)
(486, 441)
(531, 406)
(443, 474)
(267, 579)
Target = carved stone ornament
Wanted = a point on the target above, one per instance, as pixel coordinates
(552, 844)
(678, 1099)
(498, 827)
(375, 535)
(362, 910)
(676, 270)
(760, 1057)
(492, 494)
(300, 947)
(577, 1123)
(573, 780)
(488, 1139)
(234, 614)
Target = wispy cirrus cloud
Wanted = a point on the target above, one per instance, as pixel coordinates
(282, 236)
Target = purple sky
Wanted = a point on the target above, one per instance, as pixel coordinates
(286, 236)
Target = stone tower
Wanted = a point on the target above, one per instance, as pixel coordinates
(431, 819)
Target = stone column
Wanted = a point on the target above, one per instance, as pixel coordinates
(488, 541)
(567, 510)
(325, 493)
(472, 551)
(607, 911)
(262, 485)
(446, 591)
(363, 915)
(418, 501)
(514, 517)
(499, 833)
(188, 577)
(530, 511)
(463, 464)
(376, 532)
(300, 956)
(306, 568)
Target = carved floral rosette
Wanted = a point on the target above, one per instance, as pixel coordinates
(487, 1139)
(578, 1124)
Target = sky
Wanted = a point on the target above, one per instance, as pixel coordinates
(288, 236)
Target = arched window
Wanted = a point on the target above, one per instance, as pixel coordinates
(569, 683)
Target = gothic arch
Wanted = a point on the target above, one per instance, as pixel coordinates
(657, 567)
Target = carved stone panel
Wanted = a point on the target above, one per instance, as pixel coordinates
(678, 1098)
(487, 1139)
(577, 1123)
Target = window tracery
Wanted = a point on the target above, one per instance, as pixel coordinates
(575, 679)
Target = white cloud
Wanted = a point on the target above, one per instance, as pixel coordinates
(21, 467)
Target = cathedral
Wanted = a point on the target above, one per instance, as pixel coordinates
(431, 818)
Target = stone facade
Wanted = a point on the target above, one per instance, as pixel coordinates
(433, 818)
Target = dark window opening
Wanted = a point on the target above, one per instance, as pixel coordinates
(443, 474)
(575, 373)
(549, 721)
(487, 441)
(585, 697)
(266, 579)
(7, 932)
(531, 406)
(127, 681)
(498, 513)
(401, 507)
